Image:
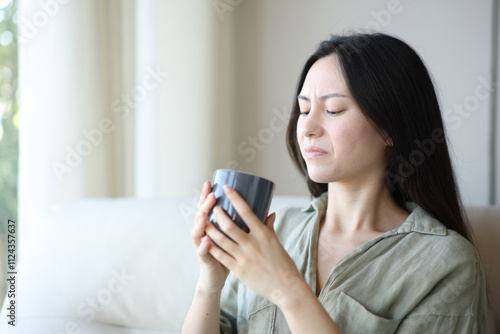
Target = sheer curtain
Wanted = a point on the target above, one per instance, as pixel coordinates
(184, 126)
(120, 98)
(76, 59)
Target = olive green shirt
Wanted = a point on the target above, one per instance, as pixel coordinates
(418, 278)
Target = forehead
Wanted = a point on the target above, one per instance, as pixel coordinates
(325, 77)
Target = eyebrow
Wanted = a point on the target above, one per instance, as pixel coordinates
(322, 97)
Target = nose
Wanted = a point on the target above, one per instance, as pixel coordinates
(310, 125)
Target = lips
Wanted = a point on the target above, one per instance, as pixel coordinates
(312, 152)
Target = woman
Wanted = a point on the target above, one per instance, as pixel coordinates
(384, 246)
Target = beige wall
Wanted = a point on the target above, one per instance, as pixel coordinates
(233, 70)
(273, 39)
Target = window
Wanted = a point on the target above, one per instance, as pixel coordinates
(9, 116)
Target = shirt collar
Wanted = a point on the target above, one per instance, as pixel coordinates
(422, 222)
(317, 204)
(418, 221)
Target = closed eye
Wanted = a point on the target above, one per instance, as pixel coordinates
(332, 113)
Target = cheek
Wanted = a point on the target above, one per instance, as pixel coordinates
(356, 139)
(343, 136)
(298, 133)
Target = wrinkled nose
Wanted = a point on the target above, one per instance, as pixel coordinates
(310, 125)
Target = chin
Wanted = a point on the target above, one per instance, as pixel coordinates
(320, 177)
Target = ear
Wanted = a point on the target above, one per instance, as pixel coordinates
(387, 139)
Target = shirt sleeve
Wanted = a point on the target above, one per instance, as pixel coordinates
(456, 304)
(229, 306)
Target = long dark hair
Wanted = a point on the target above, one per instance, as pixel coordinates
(393, 89)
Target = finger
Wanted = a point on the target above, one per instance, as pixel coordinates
(221, 240)
(208, 204)
(243, 209)
(228, 226)
(198, 231)
(201, 219)
(223, 257)
(203, 250)
(207, 188)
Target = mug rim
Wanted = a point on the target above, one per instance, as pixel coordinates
(244, 173)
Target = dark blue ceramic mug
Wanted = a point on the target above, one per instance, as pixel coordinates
(257, 191)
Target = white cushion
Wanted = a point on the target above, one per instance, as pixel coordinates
(124, 262)
(50, 325)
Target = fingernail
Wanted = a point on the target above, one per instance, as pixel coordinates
(227, 188)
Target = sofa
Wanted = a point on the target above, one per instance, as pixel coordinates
(116, 266)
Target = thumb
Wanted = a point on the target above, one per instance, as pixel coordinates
(270, 221)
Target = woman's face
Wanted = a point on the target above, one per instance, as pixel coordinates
(337, 141)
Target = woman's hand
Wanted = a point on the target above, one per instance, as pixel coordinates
(257, 258)
(212, 273)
